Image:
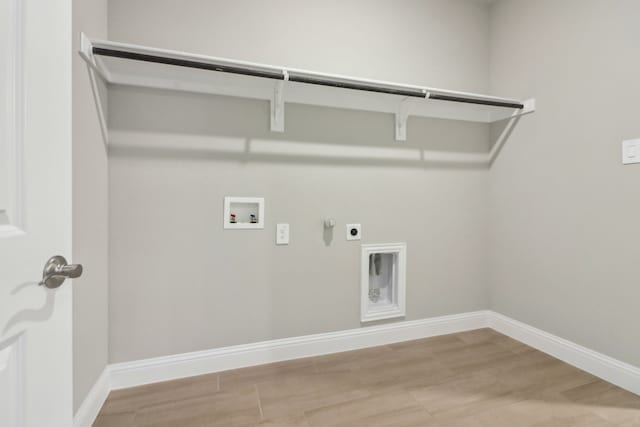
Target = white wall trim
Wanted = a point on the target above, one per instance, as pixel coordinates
(609, 369)
(139, 372)
(90, 407)
(165, 368)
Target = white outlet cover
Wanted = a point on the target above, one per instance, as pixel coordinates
(282, 234)
(631, 151)
(354, 236)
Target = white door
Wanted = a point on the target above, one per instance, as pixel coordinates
(35, 212)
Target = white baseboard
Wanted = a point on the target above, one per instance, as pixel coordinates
(90, 407)
(139, 372)
(165, 368)
(609, 369)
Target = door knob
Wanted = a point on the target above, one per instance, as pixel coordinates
(56, 270)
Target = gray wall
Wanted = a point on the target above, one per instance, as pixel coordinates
(564, 210)
(179, 282)
(4, 184)
(442, 43)
(90, 210)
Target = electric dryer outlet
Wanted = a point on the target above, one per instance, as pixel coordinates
(354, 231)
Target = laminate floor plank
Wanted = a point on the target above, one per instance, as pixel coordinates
(472, 379)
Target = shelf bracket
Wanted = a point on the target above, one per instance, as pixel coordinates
(86, 52)
(402, 115)
(277, 107)
(529, 106)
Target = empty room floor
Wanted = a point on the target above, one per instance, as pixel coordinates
(478, 378)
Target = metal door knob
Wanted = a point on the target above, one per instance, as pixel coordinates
(56, 270)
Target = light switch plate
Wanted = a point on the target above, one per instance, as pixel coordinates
(631, 151)
(282, 234)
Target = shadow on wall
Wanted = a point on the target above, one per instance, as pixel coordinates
(27, 315)
(499, 133)
(168, 124)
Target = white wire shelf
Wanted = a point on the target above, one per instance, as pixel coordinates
(133, 65)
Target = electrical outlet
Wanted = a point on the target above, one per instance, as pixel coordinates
(282, 234)
(354, 231)
(631, 151)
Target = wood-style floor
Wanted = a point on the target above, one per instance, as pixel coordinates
(472, 379)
